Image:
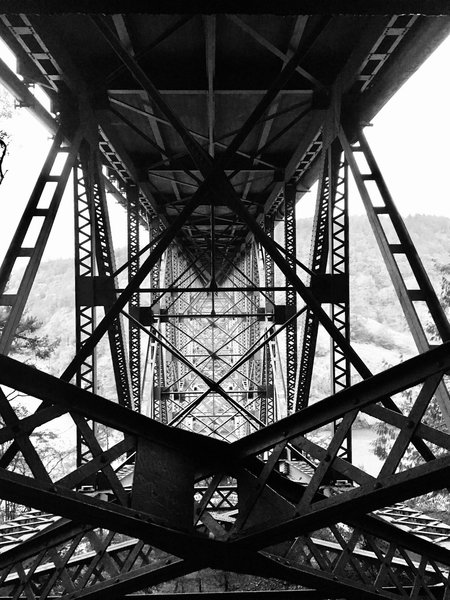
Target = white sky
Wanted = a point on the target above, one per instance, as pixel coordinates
(409, 138)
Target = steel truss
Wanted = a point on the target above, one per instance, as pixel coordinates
(306, 557)
(203, 473)
(268, 405)
(85, 312)
(134, 335)
(340, 305)
(291, 296)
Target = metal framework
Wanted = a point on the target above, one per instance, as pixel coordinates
(134, 334)
(208, 127)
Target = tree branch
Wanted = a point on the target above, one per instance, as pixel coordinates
(3, 149)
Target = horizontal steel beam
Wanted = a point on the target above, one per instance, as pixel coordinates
(178, 290)
(35, 383)
(207, 552)
(53, 390)
(198, 92)
(20, 91)
(358, 501)
(210, 315)
(287, 7)
(244, 595)
(373, 389)
(79, 507)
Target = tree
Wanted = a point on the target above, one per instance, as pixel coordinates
(29, 346)
(386, 434)
(27, 343)
(3, 150)
(6, 113)
(55, 459)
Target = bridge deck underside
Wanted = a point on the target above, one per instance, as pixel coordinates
(209, 129)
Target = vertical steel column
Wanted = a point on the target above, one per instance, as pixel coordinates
(93, 248)
(339, 268)
(268, 414)
(252, 278)
(159, 405)
(318, 264)
(106, 269)
(242, 304)
(249, 297)
(250, 337)
(85, 310)
(242, 264)
(134, 335)
(269, 226)
(159, 409)
(291, 296)
(154, 231)
(177, 307)
(183, 339)
(170, 276)
(255, 308)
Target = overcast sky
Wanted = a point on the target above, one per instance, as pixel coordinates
(409, 138)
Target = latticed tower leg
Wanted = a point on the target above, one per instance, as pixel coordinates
(291, 296)
(159, 409)
(253, 325)
(106, 267)
(170, 325)
(255, 329)
(93, 250)
(134, 336)
(244, 336)
(85, 312)
(249, 306)
(154, 231)
(340, 309)
(159, 406)
(329, 247)
(268, 408)
(318, 265)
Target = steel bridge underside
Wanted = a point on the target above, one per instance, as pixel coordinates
(221, 472)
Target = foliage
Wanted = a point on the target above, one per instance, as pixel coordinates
(444, 271)
(3, 150)
(386, 434)
(378, 327)
(54, 457)
(6, 105)
(27, 343)
(43, 441)
(6, 112)
(30, 346)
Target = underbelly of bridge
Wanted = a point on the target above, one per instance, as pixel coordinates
(213, 468)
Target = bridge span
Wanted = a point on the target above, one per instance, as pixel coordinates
(209, 122)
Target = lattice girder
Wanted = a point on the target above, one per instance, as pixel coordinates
(209, 158)
(308, 508)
